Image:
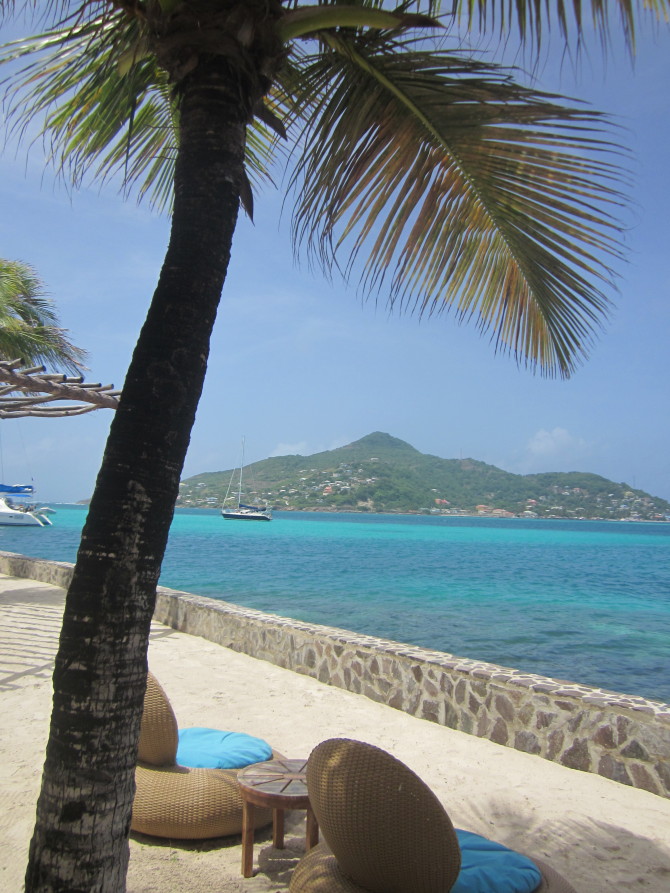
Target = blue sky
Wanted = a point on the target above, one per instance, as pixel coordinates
(302, 365)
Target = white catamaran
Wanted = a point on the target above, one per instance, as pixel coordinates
(21, 514)
(243, 512)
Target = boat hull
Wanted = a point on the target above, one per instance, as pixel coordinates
(234, 515)
(14, 515)
(9, 518)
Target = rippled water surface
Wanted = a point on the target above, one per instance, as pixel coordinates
(586, 601)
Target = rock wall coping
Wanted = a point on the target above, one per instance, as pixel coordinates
(622, 737)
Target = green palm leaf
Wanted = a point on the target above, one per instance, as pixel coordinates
(531, 19)
(465, 189)
(29, 328)
(106, 107)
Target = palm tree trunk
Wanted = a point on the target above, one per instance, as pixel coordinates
(80, 842)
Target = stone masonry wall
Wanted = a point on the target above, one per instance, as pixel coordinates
(58, 573)
(622, 737)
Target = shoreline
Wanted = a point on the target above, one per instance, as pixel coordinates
(408, 514)
(484, 517)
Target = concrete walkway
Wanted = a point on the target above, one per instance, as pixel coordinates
(604, 837)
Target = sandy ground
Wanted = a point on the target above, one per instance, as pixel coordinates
(604, 837)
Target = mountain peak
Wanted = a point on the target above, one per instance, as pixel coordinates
(381, 442)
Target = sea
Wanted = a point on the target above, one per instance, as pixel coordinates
(585, 601)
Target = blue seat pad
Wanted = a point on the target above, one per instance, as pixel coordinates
(490, 867)
(202, 748)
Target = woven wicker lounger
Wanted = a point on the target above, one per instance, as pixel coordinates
(176, 801)
(384, 830)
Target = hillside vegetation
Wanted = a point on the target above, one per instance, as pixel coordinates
(380, 473)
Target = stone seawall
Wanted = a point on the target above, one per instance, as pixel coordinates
(58, 573)
(622, 737)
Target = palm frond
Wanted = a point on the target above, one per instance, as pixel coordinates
(531, 19)
(466, 190)
(105, 108)
(69, 80)
(29, 326)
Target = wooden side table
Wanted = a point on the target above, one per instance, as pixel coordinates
(278, 785)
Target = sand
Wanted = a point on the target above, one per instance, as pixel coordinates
(602, 836)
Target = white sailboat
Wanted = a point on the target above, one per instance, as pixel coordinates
(243, 512)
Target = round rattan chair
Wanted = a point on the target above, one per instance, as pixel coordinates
(176, 801)
(384, 830)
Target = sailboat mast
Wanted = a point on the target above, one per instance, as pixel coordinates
(239, 494)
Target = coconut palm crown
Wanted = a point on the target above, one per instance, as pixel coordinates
(456, 186)
(435, 177)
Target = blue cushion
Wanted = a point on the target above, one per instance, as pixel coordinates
(212, 749)
(489, 867)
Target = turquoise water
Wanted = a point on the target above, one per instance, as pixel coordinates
(586, 601)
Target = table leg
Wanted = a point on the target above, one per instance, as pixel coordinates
(247, 838)
(312, 831)
(278, 829)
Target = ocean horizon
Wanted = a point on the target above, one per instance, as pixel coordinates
(585, 601)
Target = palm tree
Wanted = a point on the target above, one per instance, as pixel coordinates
(29, 327)
(451, 185)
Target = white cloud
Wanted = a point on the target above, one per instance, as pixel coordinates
(557, 442)
(554, 450)
(337, 443)
(290, 449)
(303, 448)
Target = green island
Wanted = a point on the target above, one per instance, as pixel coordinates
(380, 473)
